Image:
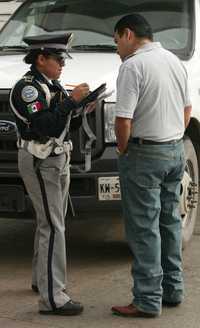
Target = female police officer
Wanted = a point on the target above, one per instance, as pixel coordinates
(43, 112)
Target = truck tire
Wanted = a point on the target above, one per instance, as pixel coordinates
(189, 192)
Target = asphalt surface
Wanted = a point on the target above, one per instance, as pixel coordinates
(99, 265)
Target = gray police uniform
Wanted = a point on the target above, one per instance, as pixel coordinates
(43, 113)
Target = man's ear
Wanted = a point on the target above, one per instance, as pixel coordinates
(128, 33)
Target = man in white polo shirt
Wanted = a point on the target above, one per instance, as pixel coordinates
(152, 110)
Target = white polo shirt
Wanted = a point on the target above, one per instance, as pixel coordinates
(152, 89)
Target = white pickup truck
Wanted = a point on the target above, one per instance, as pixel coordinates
(175, 23)
(6, 10)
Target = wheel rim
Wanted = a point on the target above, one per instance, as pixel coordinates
(189, 191)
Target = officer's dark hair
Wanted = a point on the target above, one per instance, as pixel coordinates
(33, 54)
(136, 23)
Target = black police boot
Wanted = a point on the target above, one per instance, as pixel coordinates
(69, 308)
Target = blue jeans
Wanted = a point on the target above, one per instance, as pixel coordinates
(150, 177)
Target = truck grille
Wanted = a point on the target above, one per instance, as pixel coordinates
(4, 107)
(8, 148)
(8, 145)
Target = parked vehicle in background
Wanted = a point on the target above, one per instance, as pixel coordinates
(176, 24)
(6, 10)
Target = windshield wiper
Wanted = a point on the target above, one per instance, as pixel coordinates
(102, 47)
(16, 48)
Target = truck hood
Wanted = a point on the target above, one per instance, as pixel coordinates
(93, 68)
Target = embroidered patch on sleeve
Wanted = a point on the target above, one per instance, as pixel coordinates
(29, 93)
(35, 107)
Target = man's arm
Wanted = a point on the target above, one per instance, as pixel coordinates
(187, 115)
(123, 128)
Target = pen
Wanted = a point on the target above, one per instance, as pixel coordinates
(71, 85)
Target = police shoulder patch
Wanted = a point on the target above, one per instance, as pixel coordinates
(29, 93)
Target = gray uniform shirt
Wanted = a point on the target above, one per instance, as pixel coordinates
(152, 89)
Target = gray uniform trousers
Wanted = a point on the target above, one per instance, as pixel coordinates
(47, 183)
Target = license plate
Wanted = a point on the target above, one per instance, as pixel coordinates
(12, 198)
(109, 188)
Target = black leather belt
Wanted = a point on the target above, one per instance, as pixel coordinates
(140, 141)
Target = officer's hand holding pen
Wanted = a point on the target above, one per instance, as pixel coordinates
(79, 92)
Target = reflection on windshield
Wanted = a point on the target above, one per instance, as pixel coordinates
(92, 22)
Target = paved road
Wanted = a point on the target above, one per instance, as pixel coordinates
(98, 274)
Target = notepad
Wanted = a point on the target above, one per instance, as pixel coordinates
(93, 95)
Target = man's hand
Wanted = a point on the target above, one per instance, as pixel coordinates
(123, 128)
(80, 91)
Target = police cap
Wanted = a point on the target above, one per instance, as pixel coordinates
(55, 42)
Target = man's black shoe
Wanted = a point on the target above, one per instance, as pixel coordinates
(69, 308)
(170, 304)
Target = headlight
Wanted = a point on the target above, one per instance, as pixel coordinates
(109, 122)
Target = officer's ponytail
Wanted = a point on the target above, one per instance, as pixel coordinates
(33, 54)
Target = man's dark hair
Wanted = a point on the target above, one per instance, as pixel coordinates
(135, 23)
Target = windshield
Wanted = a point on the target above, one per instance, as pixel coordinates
(92, 22)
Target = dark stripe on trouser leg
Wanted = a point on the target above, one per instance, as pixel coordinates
(51, 239)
